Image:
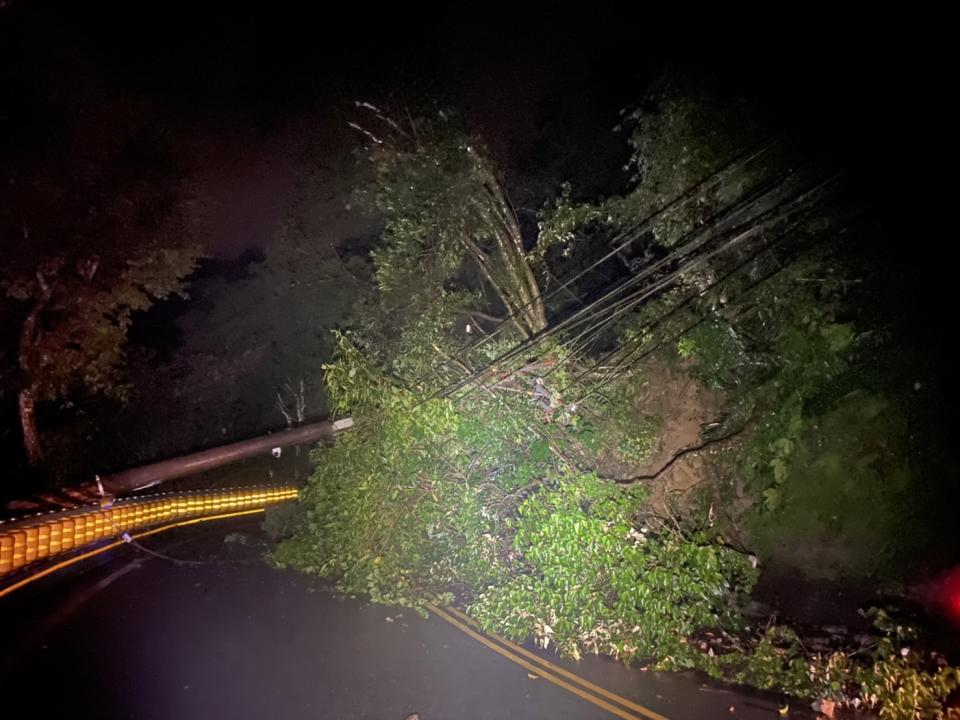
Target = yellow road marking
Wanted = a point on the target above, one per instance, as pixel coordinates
(60, 565)
(540, 669)
(507, 649)
(645, 711)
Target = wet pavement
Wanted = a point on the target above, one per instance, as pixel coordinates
(130, 635)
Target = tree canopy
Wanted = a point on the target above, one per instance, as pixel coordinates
(444, 206)
(525, 470)
(78, 311)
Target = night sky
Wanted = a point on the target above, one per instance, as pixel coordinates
(219, 111)
(215, 111)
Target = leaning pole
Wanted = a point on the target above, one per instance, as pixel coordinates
(145, 476)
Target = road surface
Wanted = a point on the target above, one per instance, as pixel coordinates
(130, 635)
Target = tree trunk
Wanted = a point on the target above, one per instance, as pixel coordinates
(518, 286)
(28, 421)
(30, 335)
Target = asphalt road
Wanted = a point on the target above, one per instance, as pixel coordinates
(134, 636)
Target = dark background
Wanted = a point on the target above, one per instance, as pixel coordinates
(115, 116)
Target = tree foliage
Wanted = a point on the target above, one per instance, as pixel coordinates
(492, 494)
(444, 205)
(680, 136)
(595, 582)
(78, 312)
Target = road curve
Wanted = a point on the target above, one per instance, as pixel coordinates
(134, 636)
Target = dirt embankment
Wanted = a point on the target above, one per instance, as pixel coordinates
(678, 461)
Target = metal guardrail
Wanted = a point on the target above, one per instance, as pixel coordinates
(28, 540)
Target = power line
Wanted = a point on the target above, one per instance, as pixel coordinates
(758, 225)
(693, 246)
(628, 236)
(631, 358)
(635, 300)
(776, 192)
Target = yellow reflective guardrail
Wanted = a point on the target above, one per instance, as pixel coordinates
(28, 540)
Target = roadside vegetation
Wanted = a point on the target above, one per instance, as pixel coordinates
(507, 453)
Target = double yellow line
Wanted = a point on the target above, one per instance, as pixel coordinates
(571, 682)
(601, 697)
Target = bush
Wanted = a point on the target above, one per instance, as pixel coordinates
(587, 581)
